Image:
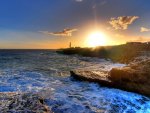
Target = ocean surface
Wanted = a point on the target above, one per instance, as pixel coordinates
(47, 73)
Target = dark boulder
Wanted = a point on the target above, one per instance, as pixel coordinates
(22, 103)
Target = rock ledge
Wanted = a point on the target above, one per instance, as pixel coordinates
(135, 77)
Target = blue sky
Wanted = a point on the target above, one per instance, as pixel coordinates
(20, 20)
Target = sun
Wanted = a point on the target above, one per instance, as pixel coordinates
(96, 39)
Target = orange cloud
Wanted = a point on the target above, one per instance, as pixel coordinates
(143, 29)
(122, 22)
(66, 32)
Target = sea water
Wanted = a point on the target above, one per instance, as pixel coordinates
(47, 73)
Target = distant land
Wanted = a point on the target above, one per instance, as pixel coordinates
(133, 77)
(119, 53)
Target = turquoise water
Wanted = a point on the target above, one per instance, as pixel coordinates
(47, 73)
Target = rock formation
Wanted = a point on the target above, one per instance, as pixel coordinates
(22, 103)
(135, 77)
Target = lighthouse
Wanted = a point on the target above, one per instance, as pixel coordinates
(70, 45)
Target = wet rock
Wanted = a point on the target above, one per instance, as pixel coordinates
(22, 103)
(135, 77)
(92, 76)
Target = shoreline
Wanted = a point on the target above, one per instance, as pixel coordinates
(124, 53)
(133, 77)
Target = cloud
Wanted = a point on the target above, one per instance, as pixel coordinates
(66, 32)
(103, 3)
(143, 29)
(78, 0)
(122, 22)
(140, 39)
(99, 3)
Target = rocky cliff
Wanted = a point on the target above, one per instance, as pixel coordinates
(134, 77)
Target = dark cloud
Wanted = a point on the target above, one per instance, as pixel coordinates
(143, 29)
(122, 22)
(66, 32)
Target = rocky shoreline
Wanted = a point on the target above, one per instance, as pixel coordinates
(134, 77)
(22, 103)
(124, 53)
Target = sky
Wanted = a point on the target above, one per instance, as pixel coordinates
(32, 24)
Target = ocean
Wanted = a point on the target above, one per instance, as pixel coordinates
(48, 73)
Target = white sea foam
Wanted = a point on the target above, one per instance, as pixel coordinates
(39, 73)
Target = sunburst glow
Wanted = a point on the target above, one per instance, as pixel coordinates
(96, 39)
